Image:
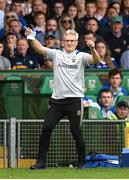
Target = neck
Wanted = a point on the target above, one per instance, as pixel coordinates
(106, 108)
(69, 51)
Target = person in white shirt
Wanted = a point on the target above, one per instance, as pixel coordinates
(68, 91)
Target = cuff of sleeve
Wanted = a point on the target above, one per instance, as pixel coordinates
(32, 35)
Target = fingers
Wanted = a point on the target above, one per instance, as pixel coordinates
(90, 43)
(27, 30)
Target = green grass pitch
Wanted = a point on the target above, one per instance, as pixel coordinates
(65, 173)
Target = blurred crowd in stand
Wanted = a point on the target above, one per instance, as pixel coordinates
(106, 22)
(103, 21)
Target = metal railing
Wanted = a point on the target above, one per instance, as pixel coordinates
(3, 143)
(20, 138)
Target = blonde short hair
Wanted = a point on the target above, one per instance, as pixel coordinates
(71, 32)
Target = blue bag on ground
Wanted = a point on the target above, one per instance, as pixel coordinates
(101, 160)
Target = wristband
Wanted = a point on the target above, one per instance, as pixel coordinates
(32, 35)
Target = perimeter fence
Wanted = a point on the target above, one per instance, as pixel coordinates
(19, 141)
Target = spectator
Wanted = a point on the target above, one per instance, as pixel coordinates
(90, 7)
(17, 7)
(114, 84)
(65, 23)
(89, 35)
(116, 39)
(1, 19)
(106, 21)
(92, 24)
(58, 9)
(10, 44)
(40, 22)
(125, 14)
(4, 62)
(15, 26)
(106, 62)
(52, 26)
(9, 15)
(3, 8)
(81, 8)
(72, 11)
(27, 7)
(105, 101)
(3, 5)
(121, 112)
(101, 9)
(117, 6)
(40, 26)
(124, 60)
(50, 42)
(22, 59)
(37, 5)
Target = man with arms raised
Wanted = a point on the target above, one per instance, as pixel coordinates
(68, 91)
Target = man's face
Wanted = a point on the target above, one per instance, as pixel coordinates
(106, 99)
(22, 47)
(88, 37)
(90, 9)
(115, 81)
(2, 4)
(122, 112)
(51, 25)
(58, 9)
(15, 26)
(69, 43)
(92, 25)
(102, 3)
(17, 7)
(50, 42)
(38, 5)
(40, 20)
(11, 39)
(117, 27)
(126, 3)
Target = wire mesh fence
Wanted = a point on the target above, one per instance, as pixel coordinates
(100, 136)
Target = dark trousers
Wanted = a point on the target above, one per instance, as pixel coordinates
(72, 108)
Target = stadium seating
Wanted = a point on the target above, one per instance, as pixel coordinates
(121, 98)
(93, 85)
(47, 85)
(93, 113)
(125, 82)
(13, 89)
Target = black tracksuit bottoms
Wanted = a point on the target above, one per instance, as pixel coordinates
(72, 108)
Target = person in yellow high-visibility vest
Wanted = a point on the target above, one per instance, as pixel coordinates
(114, 130)
(122, 112)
